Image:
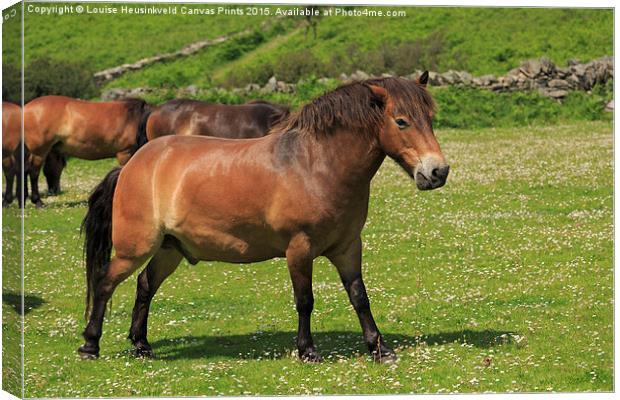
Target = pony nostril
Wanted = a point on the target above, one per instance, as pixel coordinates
(440, 173)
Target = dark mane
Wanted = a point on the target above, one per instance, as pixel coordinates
(355, 106)
(135, 106)
(140, 110)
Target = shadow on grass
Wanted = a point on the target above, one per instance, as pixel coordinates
(66, 204)
(269, 345)
(15, 301)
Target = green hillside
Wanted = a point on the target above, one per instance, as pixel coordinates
(104, 41)
(479, 40)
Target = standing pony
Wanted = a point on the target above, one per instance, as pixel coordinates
(11, 149)
(300, 192)
(192, 117)
(82, 129)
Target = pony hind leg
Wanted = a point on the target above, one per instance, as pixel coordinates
(54, 164)
(349, 266)
(118, 270)
(35, 164)
(9, 169)
(161, 266)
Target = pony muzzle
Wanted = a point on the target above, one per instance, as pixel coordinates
(431, 173)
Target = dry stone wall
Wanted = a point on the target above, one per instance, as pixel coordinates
(538, 74)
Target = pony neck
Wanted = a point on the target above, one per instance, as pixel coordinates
(352, 158)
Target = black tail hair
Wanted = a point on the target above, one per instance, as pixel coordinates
(141, 138)
(97, 226)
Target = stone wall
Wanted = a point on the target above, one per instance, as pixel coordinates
(538, 74)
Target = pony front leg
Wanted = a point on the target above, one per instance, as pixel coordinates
(118, 270)
(8, 167)
(349, 265)
(299, 260)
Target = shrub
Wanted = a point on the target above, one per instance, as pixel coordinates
(296, 64)
(44, 76)
(11, 83)
(235, 48)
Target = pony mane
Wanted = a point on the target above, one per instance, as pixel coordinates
(139, 110)
(135, 106)
(355, 106)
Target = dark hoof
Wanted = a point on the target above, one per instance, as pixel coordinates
(144, 352)
(384, 356)
(310, 356)
(5, 204)
(88, 352)
(38, 204)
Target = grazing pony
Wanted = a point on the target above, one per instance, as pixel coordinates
(192, 117)
(82, 129)
(11, 149)
(300, 192)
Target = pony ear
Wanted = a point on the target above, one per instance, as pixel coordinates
(423, 79)
(379, 92)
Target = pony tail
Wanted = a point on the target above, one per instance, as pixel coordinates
(97, 226)
(141, 138)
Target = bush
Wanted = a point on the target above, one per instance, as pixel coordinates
(297, 64)
(235, 48)
(44, 76)
(11, 83)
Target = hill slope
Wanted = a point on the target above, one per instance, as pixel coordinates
(479, 40)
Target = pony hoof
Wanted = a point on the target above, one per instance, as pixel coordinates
(87, 352)
(142, 352)
(38, 204)
(311, 356)
(384, 357)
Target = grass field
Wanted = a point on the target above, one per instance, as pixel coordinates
(500, 281)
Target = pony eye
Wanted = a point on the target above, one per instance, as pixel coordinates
(402, 124)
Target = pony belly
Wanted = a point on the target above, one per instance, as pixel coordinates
(221, 246)
(86, 151)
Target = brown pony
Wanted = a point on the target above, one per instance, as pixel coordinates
(11, 151)
(82, 129)
(192, 117)
(300, 192)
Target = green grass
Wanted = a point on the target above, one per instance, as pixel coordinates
(103, 40)
(479, 40)
(500, 281)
